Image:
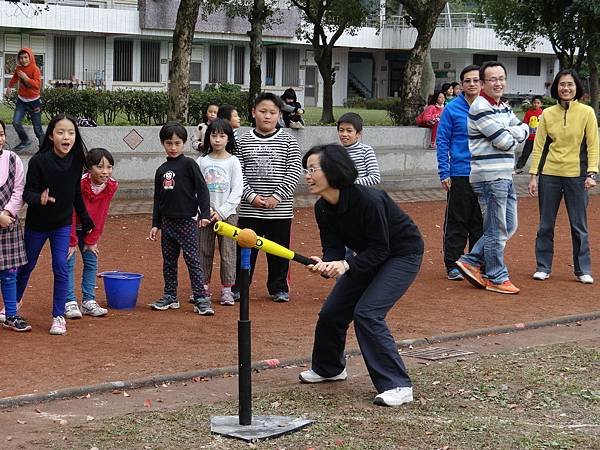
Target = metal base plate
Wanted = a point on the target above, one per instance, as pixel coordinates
(262, 427)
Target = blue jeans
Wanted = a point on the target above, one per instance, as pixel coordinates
(88, 278)
(8, 284)
(498, 203)
(59, 247)
(34, 109)
(551, 191)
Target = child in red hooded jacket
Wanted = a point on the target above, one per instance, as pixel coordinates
(29, 78)
(97, 190)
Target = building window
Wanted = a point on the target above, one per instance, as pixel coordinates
(218, 64)
(271, 61)
(150, 62)
(64, 57)
(528, 66)
(239, 64)
(123, 61)
(196, 75)
(480, 58)
(291, 67)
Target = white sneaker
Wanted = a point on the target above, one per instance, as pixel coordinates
(59, 326)
(310, 376)
(541, 276)
(585, 279)
(92, 308)
(395, 397)
(72, 310)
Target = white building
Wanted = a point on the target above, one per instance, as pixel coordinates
(126, 44)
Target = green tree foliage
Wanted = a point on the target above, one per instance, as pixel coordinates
(327, 20)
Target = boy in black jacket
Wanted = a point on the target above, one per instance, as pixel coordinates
(181, 205)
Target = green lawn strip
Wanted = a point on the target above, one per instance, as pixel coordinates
(542, 398)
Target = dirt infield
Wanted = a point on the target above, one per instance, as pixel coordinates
(141, 342)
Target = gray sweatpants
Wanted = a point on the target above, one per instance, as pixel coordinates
(227, 249)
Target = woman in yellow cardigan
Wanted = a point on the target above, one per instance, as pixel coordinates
(565, 158)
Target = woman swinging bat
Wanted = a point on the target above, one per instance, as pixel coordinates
(389, 251)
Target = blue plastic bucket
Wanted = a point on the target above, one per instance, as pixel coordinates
(121, 288)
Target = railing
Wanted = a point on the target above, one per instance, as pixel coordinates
(364, 89)
(109, 4)
(445, 20)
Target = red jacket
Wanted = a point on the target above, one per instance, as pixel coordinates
(32, 89)
(97, 207)
(532, 119)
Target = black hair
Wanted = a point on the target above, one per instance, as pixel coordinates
(268, 96)
(173, 128)
(204, 114)
(537, 97)
(23, 52)
(353, 119)
(445, 87)
(469, 68)
(3, 125)
(433, 97)
(219, 125)
(96, 154)
(488, 64)
(454, 84)
(578, 84)
(289, 94)
(336, 164)
(47, 144)
(225, 111)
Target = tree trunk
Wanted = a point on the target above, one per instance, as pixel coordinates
(179, 73)
(324, 63)
(592, 62)
(424, 16)
(257, 21)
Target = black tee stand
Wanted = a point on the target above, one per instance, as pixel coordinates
(244, 426)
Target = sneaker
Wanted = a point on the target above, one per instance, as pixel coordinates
(21, 146)
(394, 397)
(518, 172)
(3, 311)
(16, 323)
(192, 300)
(203, 307)
(72, 310)
(296, 125)
(585, 279)
(164, 303)
(472, 274)
(281, 297)
(59, 326)
(310, 376)
(227, 298)
(506, 287)
(235, 295)
(92, 308)
(541, 276)
(455, 275)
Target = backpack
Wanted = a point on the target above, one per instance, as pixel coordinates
(420, 120)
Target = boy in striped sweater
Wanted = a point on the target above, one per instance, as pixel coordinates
(494, 133)
(349, 128)
(271, 166)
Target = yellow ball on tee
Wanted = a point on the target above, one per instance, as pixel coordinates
(247, 238)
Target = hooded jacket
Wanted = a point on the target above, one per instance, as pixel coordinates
(29, 90)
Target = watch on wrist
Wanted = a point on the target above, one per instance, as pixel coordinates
(592, 175)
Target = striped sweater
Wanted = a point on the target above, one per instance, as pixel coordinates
(365, 162)
(494, 133)
(270, 166)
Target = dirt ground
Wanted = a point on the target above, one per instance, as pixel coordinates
(129, 344)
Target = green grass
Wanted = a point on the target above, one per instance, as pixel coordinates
(542, 398)
(371, 117)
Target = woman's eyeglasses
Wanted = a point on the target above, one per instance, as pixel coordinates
(310, 171)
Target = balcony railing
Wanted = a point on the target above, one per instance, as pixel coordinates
(445, 20)
(109, 4)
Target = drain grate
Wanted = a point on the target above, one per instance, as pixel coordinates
(435, 353)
